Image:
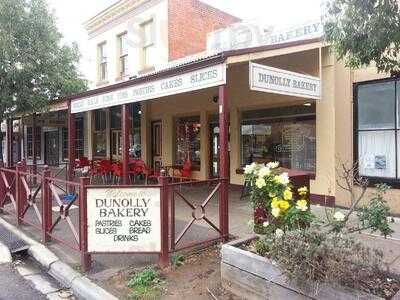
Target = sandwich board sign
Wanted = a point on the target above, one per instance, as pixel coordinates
(123, 220)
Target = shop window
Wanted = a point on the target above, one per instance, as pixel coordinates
(79, 138)
(38, 142)
(286, 135)
(123, 54)
(135, 150)
(102, 61)
(115, 118)
(99, 133)
(188, 141)
(377, 129)
(148, 47)
(134, 131)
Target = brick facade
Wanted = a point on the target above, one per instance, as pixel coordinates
(189, 21)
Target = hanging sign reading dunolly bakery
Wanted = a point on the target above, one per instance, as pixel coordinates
(278, 81)
(123, 220)
(192, 81)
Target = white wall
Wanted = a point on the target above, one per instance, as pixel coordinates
(130, 22)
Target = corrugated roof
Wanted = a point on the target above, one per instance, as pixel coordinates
(186, 64)
(187, 60)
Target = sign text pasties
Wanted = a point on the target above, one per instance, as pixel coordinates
(124, 220)
(153, 89)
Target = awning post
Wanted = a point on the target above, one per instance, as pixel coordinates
(34, 150)
(10, 157)
(71, 144)
(223, 160)
(125, 144)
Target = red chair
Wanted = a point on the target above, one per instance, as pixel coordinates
(148, 173)
(95, 170)
(151, 174)
(133, 170)
(117, 172)
(83, 162)
(186, 170)
(105, 169)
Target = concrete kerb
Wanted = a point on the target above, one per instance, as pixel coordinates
(5, 255)
(82, 287)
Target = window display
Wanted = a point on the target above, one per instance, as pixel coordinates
(188, 141)
(291, 140)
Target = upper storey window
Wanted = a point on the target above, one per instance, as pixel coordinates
(123, 54)
(102, 61)
(148, 47)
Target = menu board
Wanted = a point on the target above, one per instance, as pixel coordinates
(123, 220)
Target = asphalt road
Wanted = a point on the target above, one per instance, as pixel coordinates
(14, 286)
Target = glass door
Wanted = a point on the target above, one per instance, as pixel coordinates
(116, 144)
(51, 148)
(156, 132)
(214, 150)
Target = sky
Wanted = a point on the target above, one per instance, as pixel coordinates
(72, 14)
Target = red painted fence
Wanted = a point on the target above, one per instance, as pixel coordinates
(35, 200)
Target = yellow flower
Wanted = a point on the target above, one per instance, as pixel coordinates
(260, 182)
(275, 203)
(302, 205)
(284, 205)
(287, 194)
(271, 195)
(276, 212)
(303, 191)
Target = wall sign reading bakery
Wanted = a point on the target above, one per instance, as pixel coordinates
(278, 81)
(123, 220)
(196, 80)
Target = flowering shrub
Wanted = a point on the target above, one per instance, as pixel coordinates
(308, 249)
(273, 199)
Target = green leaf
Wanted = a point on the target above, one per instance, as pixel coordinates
(364, 32)
(35, 67)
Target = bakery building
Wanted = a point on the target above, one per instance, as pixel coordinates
(174, 97)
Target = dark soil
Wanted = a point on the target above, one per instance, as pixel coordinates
(196, 276)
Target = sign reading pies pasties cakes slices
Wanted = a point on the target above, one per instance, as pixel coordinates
(123, 220)
(192, 81)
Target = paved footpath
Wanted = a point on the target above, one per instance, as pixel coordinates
(14, 286)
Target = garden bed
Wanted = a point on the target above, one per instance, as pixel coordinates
(252, 276)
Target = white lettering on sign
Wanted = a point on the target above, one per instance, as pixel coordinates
(192, 81)
(123, 220)
(246, 35)
(273, 80)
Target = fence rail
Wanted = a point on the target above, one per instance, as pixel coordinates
(39, 201)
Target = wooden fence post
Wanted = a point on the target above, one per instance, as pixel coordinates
(164, 255)
(224, 162)
(46, 206)
(24, 192)
(18, 193)
(2, 188)
(86, 258)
